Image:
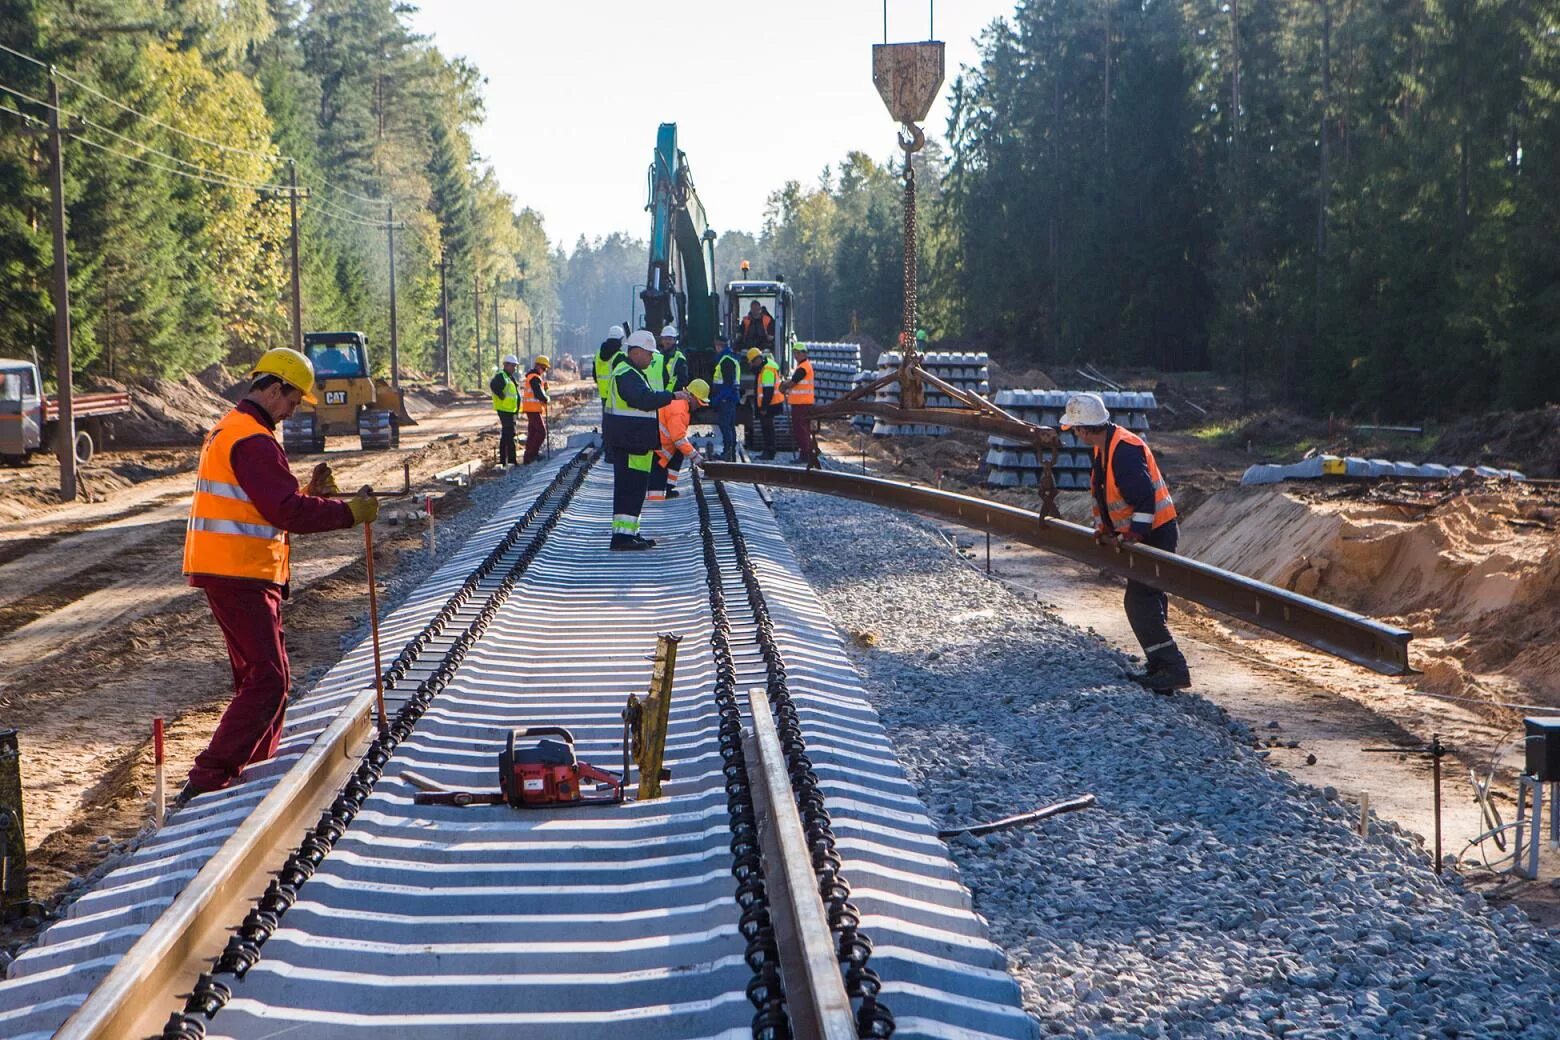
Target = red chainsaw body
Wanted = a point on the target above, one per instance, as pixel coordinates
(548, 773)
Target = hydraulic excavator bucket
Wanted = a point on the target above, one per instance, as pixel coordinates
(908, 76)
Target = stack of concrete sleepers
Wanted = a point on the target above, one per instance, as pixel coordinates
(835, 366)
(1013, 464)
(965, 370)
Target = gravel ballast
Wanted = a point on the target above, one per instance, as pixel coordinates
(1206, 894)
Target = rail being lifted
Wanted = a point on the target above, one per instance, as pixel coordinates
(1365, 641)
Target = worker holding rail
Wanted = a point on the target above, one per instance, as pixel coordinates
(630, 433)
(1132, 505)
(236, 548)
(533, 403)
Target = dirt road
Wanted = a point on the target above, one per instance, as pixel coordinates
(101, 633)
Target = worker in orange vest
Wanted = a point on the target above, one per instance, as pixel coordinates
(675, 446)
(800, 394)
(533, 404)
(1132, 505)
(236, 548)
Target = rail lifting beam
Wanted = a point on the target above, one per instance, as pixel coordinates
(1354, 637)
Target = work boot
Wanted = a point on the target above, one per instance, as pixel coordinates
(645, 543)
(767, 456)
(1167, 678)
(628, 543)
(673, 493)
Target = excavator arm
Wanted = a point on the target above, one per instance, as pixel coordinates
(680, 282)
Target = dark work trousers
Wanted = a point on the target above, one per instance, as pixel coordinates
(535, 435)
(506, 439)
(1147, 607)
(251, 728)
(766, 425)
(630, 480)
(726, 419)
(801, 429)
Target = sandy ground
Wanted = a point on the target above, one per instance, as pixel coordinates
(101, 633)
(1330, 710)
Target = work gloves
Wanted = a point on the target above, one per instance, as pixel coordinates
(365, 507)
(322, 482)
(696, 459)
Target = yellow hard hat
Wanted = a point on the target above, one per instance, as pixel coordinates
(753, 353)
(291, 367)
(700, 390)
(544, 360)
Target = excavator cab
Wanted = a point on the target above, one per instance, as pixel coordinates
(775, 301)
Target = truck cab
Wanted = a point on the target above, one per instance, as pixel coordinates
(21, 411)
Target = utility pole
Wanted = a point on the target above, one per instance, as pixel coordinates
(497, 357)
(476, 309)
(65, 434)
(444, 313)
(395, 342)
(517, 331)
(297, 298)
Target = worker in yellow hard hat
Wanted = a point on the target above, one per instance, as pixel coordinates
(236, 548)
(675, 418)
(767, 397)
(533, 403)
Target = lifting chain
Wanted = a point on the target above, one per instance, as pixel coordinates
(912, 393)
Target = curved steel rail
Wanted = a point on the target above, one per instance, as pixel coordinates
(1354, 637)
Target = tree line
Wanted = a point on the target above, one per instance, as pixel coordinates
(192, 119)
(1351, 205)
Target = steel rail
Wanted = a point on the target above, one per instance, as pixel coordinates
(815, 998)
(1343, 633)
(138, 992)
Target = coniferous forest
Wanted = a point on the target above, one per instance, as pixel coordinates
(1353, 205)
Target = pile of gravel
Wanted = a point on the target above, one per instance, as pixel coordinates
(1206, 894)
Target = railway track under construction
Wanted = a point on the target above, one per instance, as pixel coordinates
(788, 881)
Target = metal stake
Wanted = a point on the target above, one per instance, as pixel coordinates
(373, 628)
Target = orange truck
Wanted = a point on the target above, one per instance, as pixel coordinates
(29, 420)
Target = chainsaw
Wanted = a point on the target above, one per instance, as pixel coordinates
(545, 774)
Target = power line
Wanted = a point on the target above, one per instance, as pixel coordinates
(67, 77)
(330, 213)
(204, 174)
(321, 184)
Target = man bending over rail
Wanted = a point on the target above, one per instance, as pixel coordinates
(1132, 504)
(246, 503)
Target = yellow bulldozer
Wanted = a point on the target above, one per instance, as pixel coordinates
(351, 400)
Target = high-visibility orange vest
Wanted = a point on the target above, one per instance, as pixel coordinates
(1121, 514)
(227, 536)
(674, 419)
(529, 402)
(802, 390)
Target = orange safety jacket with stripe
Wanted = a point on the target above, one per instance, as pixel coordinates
(674, 419)
(1145, 505)
(227, 537)
(802, 391)
(529, 402)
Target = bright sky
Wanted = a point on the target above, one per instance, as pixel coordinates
(761, 93)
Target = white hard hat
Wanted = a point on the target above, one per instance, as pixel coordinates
(510, 359)
(1084, 410)
(615, 332)
(641, 339)
(670, 330)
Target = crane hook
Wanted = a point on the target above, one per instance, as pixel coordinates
(911, 138)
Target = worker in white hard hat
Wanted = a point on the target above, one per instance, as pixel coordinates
(533, 402)
(506, 402)
(631, 434)
(607, 357)
(1132, 505)
(669, 367)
